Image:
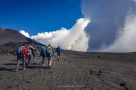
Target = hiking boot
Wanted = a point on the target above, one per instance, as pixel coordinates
(43, 64)
(49, 67)
(24, 68)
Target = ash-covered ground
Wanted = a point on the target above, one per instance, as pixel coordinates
(75, 71)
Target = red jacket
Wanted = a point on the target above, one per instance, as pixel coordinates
(24, 52)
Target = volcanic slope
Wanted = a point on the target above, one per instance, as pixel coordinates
(75, 71)
(9, 35)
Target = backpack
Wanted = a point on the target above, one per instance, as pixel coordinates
(49, 50)
(19, 50)
(43, 50)
(33, 49)
(58, 49)
(24, 51)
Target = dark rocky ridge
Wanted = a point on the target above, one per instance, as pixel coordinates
(10, 39)
(8, 35)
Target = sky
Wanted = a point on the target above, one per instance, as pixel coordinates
(36, 16)
(81, 25)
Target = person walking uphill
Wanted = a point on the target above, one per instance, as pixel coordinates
(29, 56)
(19, 56)
(43, 54)
(58, 52)
(49, 52)
(24, 56)
(33, 49)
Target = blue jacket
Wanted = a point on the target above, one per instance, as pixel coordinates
(58, 50)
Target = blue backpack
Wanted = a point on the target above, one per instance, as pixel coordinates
(19, 50)
(43, 50)
(58, 49)
(49, 51)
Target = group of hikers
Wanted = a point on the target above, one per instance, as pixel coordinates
(25, 53)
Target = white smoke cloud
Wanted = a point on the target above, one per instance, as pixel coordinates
(126, 38)
(24, 33)
(70, 39)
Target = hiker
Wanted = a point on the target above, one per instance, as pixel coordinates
(58, 52)
(24, 56)
(43, 54)
(19, 56)
(29, 56)
(33, 49)
(49, 52)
